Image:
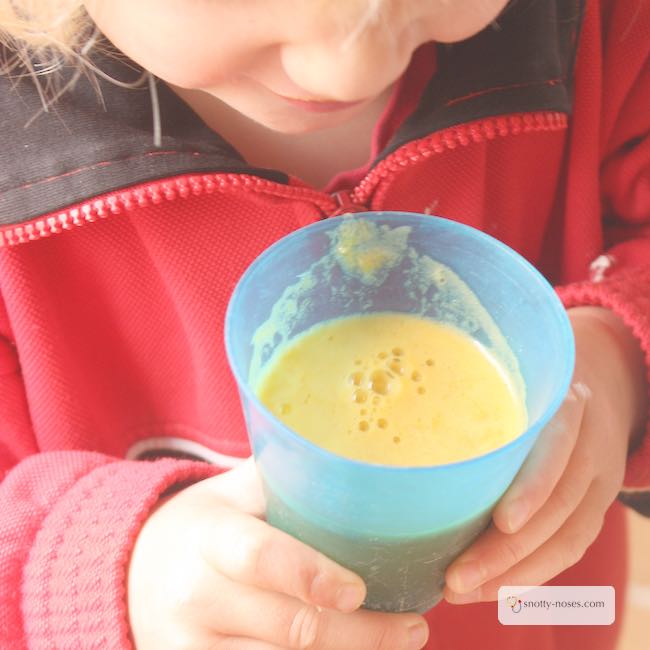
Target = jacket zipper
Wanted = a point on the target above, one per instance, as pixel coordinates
(368, 191)
(366, 196)
(345, 201)
(155, 192)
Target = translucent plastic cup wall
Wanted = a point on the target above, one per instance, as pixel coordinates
(352, 510)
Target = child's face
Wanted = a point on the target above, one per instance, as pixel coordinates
(259, 56)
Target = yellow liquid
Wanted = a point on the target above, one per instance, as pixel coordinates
(393, 389)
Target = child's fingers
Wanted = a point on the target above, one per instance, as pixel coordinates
(495, 551)
(560, 552)
(544, 466)
(240, 488)
(250, 551)
(239, 643)
(238, 610)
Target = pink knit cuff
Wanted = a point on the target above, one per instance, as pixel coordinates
(626, 293)
(74, 583)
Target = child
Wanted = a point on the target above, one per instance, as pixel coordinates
(128, 210)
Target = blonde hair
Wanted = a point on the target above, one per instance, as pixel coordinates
(42, 33)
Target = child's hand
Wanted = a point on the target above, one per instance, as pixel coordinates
(554, 509)
(207, 573)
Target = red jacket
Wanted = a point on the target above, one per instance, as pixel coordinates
(117, 260)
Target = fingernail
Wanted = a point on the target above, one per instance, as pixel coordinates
(418, 635)
(349, 597)
(463, 599)
(517, 513)
(468, 575)
(582, 390)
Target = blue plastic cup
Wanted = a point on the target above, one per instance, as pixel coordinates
(397, 527)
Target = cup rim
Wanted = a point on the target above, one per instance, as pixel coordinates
(564, 326)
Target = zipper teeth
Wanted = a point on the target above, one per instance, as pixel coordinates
(154, 193)
(453, 137)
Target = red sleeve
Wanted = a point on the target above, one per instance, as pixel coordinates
(68, 521)
(620, 278)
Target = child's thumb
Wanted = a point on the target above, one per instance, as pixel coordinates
(240, 488)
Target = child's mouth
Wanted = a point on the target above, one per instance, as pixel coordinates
(317, 106)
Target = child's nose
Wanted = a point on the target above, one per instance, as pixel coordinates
(353, 69)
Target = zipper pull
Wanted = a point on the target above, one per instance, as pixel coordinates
(346, 203)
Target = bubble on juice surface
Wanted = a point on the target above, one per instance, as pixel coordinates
(380, 382)
(429, 362)
(363, 411)
(398, 352)
(360, 395)
(421, 390)
(363, 425)
(416, 376)
(382, 355)
(285, 409)
(356, 378)
(396, 439)
(382, 423)
(396, 366)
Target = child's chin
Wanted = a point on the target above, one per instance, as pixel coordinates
(297, 121)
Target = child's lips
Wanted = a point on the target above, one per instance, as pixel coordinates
(318, 106)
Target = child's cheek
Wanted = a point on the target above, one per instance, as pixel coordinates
(176, 42)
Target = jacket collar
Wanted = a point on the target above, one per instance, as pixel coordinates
(98, 136)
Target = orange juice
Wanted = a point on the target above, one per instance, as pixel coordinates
(392, 388)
